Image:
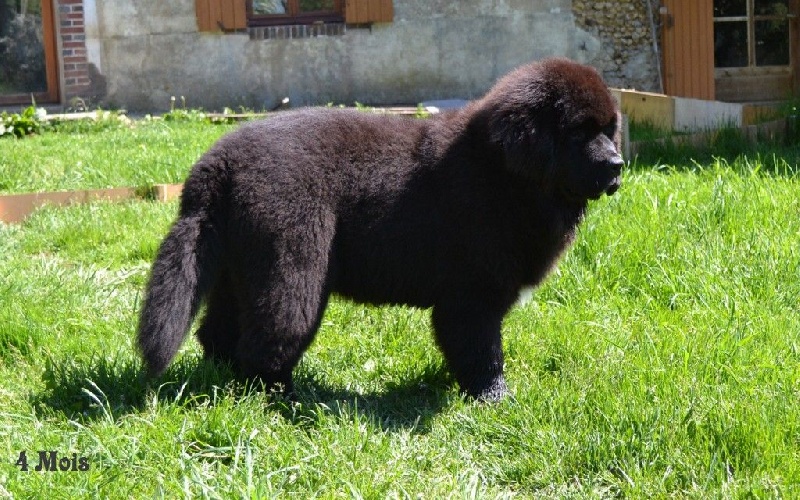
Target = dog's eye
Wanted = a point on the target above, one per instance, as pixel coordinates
(581, 133)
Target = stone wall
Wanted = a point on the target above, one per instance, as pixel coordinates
(149, 50)
(139, 54)
(625, 33)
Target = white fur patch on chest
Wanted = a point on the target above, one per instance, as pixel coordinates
(525, 295)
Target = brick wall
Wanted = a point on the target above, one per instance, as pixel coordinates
(75, 68)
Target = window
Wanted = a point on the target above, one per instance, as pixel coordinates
(272, 12)
(238, 15)
(27, 52)
(751, 33)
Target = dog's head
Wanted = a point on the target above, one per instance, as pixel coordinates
(556, 123)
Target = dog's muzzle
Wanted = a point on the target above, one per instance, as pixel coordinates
(613, 186)
(615, 164)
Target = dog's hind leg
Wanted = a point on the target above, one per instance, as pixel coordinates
(219, 330)
(278, 324)
(284, 300)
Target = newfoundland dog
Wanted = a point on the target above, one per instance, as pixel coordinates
(456, 213)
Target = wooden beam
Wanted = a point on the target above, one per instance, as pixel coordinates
(15, 207)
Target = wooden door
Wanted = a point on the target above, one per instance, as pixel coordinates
(688, 48)
(28, 68)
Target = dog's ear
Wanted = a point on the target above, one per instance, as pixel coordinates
(526, 138)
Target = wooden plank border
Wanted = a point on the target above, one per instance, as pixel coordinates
(16, 207)
(167, 192)
(772, 130)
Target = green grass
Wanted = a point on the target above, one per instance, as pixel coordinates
(661, 359)
(658, 147)
(647, 131)
(83, 157)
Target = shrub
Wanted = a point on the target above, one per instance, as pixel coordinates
(30, 121)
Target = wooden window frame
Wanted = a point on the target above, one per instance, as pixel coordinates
(233, 16)
(751, 18)
(294, 16)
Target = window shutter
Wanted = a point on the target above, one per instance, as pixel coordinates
(368, 11)
(220, 15)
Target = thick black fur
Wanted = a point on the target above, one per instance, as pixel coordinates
(456, 213)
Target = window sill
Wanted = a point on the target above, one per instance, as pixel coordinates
(296, 31)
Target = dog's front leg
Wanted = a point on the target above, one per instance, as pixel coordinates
(468, 333)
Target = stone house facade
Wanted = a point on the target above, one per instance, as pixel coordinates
(136, 55)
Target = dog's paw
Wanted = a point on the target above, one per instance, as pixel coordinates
(491, 392)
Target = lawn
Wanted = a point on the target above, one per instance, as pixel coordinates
(104, 155)
(662, 358)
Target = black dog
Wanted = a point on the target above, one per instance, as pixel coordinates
(458, 212)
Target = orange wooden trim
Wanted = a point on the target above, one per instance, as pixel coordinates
(706, 87)
(50, 50)
(753, 114)
(221, 15)
(215, 14)
(239, 14)
(368, 11)
(387, 11)
(688, 48)
(227, 18)
(167, 192)
(350, 11)
(199, 14)
(232, 15)
(203, 13)
(364, 11)
(15, 207)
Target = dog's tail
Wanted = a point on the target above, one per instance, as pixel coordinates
(185, 267)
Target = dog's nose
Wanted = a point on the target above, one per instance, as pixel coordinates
(615, 163)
